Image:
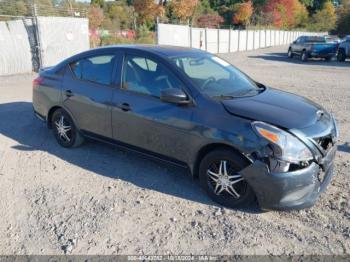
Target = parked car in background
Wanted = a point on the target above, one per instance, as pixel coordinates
(188, 107)
(344, 49)
(332, 38)
(313, 47)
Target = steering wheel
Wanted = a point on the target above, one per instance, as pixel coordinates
(210, 79)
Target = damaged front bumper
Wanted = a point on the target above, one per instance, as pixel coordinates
(290, 190)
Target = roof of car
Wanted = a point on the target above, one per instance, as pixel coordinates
(164, 50)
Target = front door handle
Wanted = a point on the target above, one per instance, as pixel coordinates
(125, 107)
(68, 93)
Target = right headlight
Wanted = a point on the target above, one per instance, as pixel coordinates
(286, 147)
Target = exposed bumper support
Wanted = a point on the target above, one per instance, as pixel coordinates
(290, 190)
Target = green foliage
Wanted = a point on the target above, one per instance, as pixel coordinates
(120, 16)
(343, 26)
(99, 3)
(15, 8)
(324, 19)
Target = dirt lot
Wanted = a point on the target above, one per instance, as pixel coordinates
(97, 199)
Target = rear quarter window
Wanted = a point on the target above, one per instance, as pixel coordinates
(97, 69)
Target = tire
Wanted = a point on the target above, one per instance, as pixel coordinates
(304, 56)
(64, 129)
(290, 53)
(341, 56)
(328, 59)
(242, 195)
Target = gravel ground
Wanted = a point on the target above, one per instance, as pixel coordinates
(97, 199)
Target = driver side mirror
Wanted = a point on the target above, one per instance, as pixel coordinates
(175, 96)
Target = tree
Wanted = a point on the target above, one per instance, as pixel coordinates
(325, 19)
(99, 3)
(343, 25)
(284, 12)
(95, 15)
(121, 15)
(301, 15)
(147, 11)
(15, 8)
(243, 13)
(183, 9)
(210, 20)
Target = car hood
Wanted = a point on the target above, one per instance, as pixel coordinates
(276, 107)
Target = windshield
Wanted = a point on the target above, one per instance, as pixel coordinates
(215, 77)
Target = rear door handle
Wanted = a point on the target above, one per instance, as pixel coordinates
(125, 107)
(69, 93)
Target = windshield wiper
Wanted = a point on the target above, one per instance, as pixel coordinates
(225, 97)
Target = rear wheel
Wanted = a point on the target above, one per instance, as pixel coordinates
(220, 178)
(341, 55)
(304, 56)
(290, 53)
(64, 129)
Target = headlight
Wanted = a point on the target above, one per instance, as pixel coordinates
(286, 147)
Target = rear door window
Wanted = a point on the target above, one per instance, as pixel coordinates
(97, 69)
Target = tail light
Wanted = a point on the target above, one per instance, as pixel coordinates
(37, 81)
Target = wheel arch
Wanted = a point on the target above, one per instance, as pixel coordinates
(50, 114)
(55, 108)
(211, 147)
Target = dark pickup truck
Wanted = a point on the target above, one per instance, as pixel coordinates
(313, 47)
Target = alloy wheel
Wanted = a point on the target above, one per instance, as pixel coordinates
(63, 128)
(225, 181)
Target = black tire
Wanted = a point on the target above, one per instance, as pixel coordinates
(235, 163)
(341, 56)
(72, 137)
(290, 53)
(328, 59)
(304, 56)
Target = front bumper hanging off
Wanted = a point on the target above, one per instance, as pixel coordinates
(290, 190)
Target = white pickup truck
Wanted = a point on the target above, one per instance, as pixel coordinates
(344, 49)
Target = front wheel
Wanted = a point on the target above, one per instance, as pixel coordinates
(290, 53)
(66, 133)
(219, 176)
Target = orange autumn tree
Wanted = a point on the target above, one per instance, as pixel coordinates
(243, 13)
(147, 10)
(285, 13)
(184, 9)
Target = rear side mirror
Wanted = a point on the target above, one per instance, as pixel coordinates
(175, 96)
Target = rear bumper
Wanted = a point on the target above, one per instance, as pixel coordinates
(321, 55)
(39, 116)
(291, 190)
